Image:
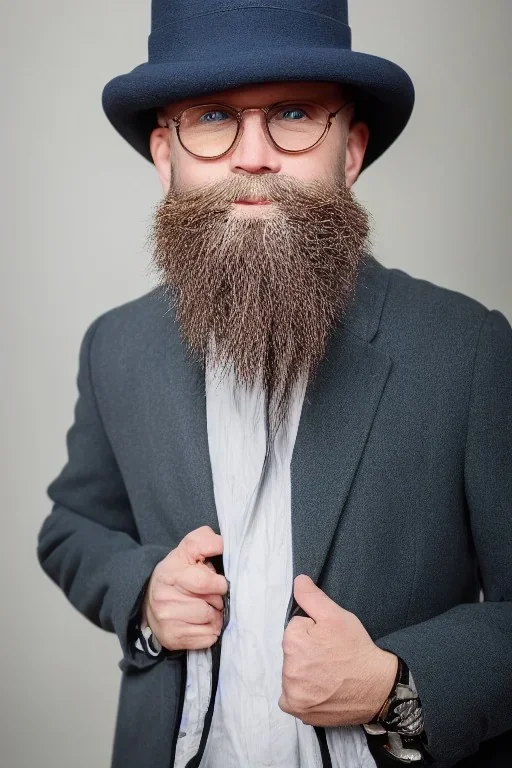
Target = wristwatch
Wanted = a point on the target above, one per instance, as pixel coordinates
(401, 712)
(401, 720)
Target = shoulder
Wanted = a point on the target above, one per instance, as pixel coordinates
(437, 334)
(423, 315)
(142, 313)
(424, 303)
(133, 329)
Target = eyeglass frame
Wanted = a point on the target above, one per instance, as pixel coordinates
(239, 130)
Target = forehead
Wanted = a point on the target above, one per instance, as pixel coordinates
(261, 94)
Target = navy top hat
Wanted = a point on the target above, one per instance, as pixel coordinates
(202, 46)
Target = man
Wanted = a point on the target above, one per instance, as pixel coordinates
(289, 474)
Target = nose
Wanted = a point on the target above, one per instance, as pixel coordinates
(254, 152)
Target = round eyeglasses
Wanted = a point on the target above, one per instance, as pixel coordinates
(212, 130)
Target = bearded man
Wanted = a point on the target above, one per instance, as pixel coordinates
(289, 481)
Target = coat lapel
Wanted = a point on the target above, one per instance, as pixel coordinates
(337, 414)
(189, 394)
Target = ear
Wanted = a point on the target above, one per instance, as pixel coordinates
(159, 147)
(357, 141)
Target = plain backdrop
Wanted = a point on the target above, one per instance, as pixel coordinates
(76, 201)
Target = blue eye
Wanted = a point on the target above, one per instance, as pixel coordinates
(298, 113)
(205, 118)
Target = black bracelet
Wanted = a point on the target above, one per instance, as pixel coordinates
(148, 642)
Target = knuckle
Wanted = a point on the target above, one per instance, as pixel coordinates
(160, 594)
(205, 529)
(289, 642)
(160, 609)
(197, 540)
(296, 701)
(163, 565)
(158, 613)
(291, 673)
(198, 534)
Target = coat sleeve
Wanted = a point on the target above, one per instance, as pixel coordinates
(89, 544)
(462, 659)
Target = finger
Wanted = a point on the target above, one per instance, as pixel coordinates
(202, 543)
(180, 635)
(312, 600)
(180, 630)
(201, 581)
(215, 600)
(193, 611)
(199, 643)
(296, 633)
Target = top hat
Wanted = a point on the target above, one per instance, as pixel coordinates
(203, 46)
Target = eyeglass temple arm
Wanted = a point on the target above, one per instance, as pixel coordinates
(333, 114)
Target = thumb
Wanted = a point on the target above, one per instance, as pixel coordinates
(311, 599)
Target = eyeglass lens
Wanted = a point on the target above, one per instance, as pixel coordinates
(210, 130)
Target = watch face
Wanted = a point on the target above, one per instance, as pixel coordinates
(405, 716)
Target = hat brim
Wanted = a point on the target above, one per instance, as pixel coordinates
(385, 103)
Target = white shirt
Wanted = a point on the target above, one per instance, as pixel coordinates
(248, 727)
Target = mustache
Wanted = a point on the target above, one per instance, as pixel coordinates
(287, 193)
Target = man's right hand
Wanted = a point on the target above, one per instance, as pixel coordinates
(183, 601)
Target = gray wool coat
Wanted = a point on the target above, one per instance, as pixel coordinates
(401, 499)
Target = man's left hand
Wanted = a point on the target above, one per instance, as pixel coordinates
(333, 673)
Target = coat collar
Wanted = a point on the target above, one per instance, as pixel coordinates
(364, 315)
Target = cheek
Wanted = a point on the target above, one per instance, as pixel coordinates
(189, 172)
(322, 162)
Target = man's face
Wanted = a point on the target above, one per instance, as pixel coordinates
(259, 286)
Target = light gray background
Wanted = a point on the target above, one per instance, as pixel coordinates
(76, 203)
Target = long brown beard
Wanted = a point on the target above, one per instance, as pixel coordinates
(267, 288)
